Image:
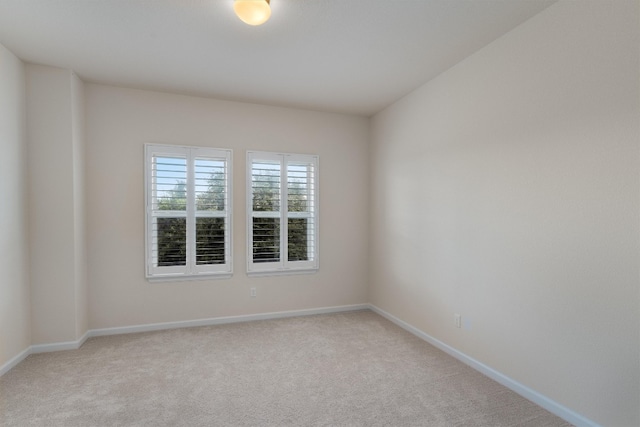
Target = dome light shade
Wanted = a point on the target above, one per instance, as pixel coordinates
(252, 12)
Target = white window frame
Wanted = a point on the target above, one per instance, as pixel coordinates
(190, 271)
(284, 266)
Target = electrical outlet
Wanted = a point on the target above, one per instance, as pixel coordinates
(252, 292)
(457, 320)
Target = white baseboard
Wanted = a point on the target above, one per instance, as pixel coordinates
(223, 320)
(13, 362)
(43, 348)
(524, 391)
(60, 346)
(74, 345)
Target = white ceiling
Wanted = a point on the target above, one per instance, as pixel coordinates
(349, 56)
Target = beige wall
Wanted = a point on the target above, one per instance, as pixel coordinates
(507, 190)
(120, 121)
(15, 323)
(58, 287)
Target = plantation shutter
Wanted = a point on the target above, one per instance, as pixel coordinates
(301, 207)
(188, 211)
(211, 205)
(282, 212)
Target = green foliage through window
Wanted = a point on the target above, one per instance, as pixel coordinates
(210, 240)
(172, 243)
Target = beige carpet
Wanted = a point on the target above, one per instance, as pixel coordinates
(348, 369)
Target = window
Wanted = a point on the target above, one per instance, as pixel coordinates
(188, 212)
(282, 209)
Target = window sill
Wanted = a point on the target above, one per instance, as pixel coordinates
(281, 272)
(191, 278)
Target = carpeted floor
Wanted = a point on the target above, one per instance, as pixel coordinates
(347, 369)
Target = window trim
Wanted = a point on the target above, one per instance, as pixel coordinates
(191, 271)
(284, 266)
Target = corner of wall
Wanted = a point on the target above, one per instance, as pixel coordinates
(79, 200)
(55, 140)
(15, 337)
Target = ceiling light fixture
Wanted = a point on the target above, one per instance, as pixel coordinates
(252, 12)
